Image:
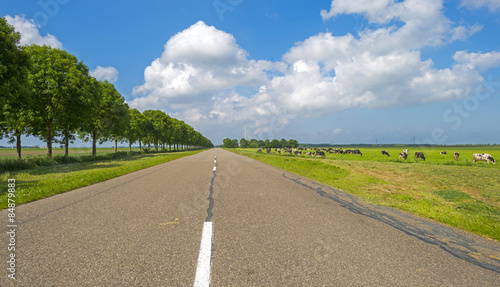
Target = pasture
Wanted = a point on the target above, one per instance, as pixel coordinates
(432, 154)
(42, 151)
(459, 193)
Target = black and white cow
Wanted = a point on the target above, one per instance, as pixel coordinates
(403, 155)
(419, 155)
(354, 151)
(443, 152)
(483, 157)
(384, 152)
(320, 153)
(456, 156)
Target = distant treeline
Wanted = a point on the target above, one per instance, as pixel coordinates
(392, 145)
(50, 94)
(253, 143)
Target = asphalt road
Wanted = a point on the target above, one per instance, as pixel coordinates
(270, 228)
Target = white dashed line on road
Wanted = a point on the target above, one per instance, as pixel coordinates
(203, 269)
(202, 278)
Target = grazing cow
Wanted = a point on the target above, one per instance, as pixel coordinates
(403, 155)
(353, 151)
(456, 156)
(297, 152)
(384, 152)
(259, 150)
(483, 157)
(320, 153)
(419, 155)
(443, 152)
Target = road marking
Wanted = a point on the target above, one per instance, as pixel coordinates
(203, 269)
(202, 277)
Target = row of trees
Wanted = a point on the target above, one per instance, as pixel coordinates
(253, 143)
(48, 93)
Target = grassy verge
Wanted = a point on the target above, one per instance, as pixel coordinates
(463, 196)
(81, 155)
(34, 184)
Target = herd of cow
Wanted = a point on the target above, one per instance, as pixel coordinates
(320, 152)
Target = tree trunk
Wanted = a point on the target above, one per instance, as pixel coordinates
(94, 143)
(116, 145)
(49, 139)
(156, 145)
(140, 145)
(66, 145)
(169, 147)
(18, 143)
(129, 146)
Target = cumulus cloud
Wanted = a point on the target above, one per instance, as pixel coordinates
(198, 63)
(492, 5)
(201, 68)
(375, 10)
(105, 73)
(30, 34)
(479, 61)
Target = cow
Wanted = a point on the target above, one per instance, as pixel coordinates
(407, 151)
(297, 152)
(483, 157)
(354, 151)
(419, 155)
(403, 155)
(456, 156)
(259, 150)
(384, 152)
(443, 152)
(320, 153)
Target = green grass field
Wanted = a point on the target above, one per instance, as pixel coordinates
(460, 194)
(42, 182)
(42, 151)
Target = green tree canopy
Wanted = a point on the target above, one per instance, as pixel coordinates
(14, 103)
(56, 81)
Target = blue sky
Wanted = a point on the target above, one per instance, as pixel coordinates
(357, 71)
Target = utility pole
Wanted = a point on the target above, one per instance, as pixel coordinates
(476, 136)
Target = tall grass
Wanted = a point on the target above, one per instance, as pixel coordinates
(34, 161)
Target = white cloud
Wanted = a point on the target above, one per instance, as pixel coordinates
(462, 33)
(197, 63)
(375, 10)
(105, 73)
(30, 34)
(492, 5)
(201, 68)
(479, 61)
